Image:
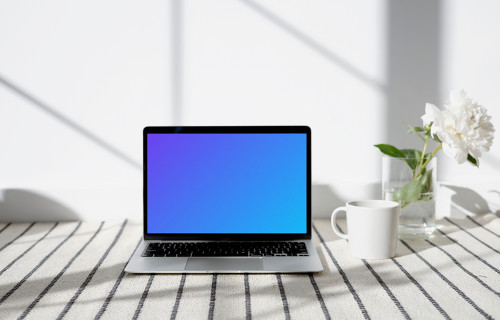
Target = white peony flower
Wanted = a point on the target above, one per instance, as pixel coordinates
(463, 126)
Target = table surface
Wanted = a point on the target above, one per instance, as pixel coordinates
(75, 270)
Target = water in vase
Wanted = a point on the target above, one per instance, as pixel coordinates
(417, 218)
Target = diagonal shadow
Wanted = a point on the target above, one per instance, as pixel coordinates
(315, 45)
(414, 65)
(70, 123)
(176, 17)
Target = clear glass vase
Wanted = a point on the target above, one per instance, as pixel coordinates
(415, 190)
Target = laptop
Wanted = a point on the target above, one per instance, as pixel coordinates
(226, 200)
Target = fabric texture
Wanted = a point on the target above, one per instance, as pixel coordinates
(74, 270)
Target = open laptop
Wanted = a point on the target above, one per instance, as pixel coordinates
(226, 200)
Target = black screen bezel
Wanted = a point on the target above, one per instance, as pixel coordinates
(227, 129)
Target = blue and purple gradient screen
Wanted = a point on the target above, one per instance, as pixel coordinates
(226, 183)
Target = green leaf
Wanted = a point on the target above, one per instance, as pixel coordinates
(412, 158)
(410, 192)
(416, 190)
(435, 138)
(426, 181)
(472, 160)
(425, 197)
(415, 130)
(391, 151)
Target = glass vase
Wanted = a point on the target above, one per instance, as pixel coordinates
(415, 190)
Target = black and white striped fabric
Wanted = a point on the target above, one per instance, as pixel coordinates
(75, 270)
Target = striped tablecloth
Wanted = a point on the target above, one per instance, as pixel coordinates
(75, 270)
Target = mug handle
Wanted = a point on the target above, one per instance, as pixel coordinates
(334, 224)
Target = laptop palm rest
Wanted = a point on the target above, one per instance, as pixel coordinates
(214, 264)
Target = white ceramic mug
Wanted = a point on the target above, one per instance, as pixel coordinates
(372, 227)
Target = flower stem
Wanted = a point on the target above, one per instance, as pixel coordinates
(423, 155)
(427, 161)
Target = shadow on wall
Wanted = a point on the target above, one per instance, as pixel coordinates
(414, 32)
(17, 205)
(54, 113)
(466, 201)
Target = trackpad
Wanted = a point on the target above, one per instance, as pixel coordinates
(225, 264)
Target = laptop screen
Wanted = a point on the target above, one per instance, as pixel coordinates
(226, 182)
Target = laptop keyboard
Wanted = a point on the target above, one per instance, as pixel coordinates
(225, 249)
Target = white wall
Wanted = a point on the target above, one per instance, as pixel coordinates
(80, 79)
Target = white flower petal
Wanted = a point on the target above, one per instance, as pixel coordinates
(463, 126)
(454, 152)
(432, 114)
